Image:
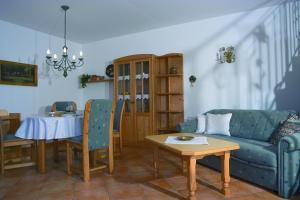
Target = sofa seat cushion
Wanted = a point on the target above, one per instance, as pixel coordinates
(253, 151)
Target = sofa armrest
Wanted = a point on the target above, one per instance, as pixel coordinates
(292, 142)
(189, 126)
(288, 165)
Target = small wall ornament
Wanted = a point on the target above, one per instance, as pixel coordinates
(192, 80)
(226, 55)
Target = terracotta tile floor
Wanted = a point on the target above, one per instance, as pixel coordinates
(133, 179)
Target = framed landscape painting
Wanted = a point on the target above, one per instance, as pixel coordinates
(13, 73)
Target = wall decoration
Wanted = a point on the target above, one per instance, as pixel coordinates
(192, 80)
(84, 78)
(109, 71)
(13, 73)
(226, 55)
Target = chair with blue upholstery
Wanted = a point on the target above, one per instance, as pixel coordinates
(61, 106)
(117, 131)
(97, 135)
(11, 141)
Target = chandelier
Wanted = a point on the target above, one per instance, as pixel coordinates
(64, 64)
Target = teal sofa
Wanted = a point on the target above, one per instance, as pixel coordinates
(275, 167)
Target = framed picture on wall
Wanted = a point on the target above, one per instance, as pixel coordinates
(13, 73)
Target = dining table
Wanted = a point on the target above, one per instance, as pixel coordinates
(46, 128)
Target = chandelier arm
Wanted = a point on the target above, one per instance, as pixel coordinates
(70, 65)
(80, 63)
(49, 62)
(58, 65)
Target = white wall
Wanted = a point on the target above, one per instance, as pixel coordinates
(260, 37)
(28, 46)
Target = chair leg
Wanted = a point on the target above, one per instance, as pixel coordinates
(85, 164)
(111, 159)
(120, 143)
(2, 159)
(33, 152)
(69, 158)
(55, 150)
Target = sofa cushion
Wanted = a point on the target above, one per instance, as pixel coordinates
(253, 124)
(288, 127)
(252, 151)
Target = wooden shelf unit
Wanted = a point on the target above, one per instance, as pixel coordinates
(153, 97)
(169, 93)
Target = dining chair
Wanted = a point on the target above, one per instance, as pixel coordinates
(97, 135)
(64, 106)
(11, 141)
(117, 130)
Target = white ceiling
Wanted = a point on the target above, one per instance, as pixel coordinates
(91, 20)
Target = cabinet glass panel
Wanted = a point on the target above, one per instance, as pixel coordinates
(127, 70)
(127, 105)
(138, 68)
(146, 85)
(120, 69)
(146, 67)
(139, 104)
(146, 105)
(120, 87)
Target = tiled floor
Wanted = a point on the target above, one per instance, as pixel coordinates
(133, 179)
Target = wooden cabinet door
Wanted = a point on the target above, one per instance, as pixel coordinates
(133, 84)
(143, 101)
(123, 90)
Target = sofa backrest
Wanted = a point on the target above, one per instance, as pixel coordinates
(253, 124)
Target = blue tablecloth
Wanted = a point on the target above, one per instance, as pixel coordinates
(48, 128)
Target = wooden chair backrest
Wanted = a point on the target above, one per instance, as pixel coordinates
(119, 109)
(4, 127)
(87, 123)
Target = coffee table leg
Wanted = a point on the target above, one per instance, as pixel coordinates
(225, 173)
(41, 156)
(191, 176)
(156, 161)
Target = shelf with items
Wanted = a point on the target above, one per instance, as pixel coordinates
(87, 78)
(169, 93)
(100, 81)
(168, 75)
(169, 111)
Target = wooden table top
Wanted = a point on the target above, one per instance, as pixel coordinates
(214, 145)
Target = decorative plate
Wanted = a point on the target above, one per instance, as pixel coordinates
(109, 71)
(185, 138)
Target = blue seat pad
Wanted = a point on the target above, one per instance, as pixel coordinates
(11, 137)
(77, 139)
(253, 151)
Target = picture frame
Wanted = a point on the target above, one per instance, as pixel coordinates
(14, 73)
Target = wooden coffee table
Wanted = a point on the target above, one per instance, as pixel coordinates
(191, 152)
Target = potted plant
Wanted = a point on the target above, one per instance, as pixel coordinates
(84, 78)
